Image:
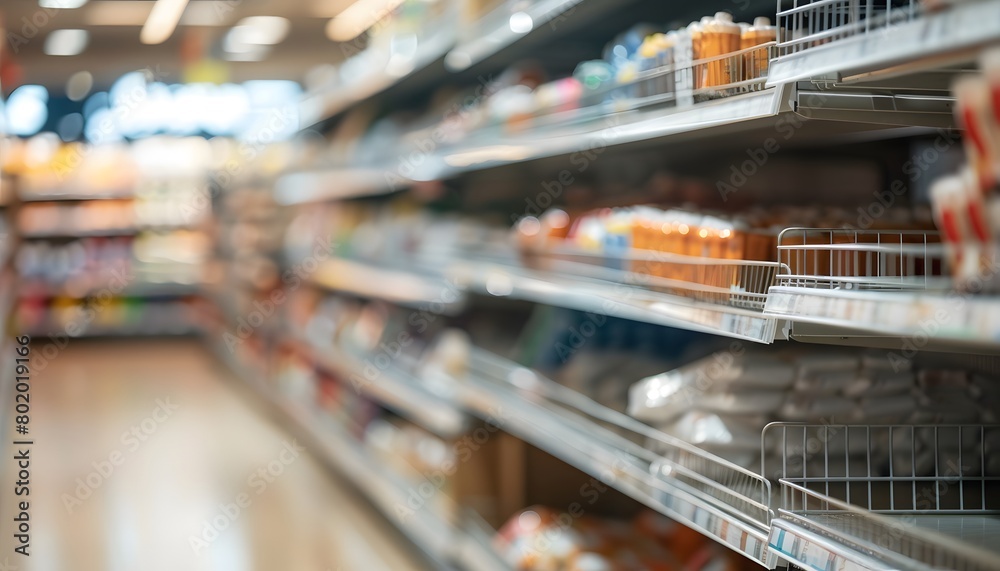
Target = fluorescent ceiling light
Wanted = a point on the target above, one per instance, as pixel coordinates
(117, 13)
(208, 13)
(61, 4)
(66, 42)
(162, 20)
(260, 30)
(358, 17)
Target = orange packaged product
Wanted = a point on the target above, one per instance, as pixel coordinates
(756, 61)
(721, 36)
(696, 31)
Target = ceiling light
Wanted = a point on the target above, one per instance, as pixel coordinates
(208, 13)
(78, 85)
(27, 110)
(66, 42)
(358, 17)
(61, 4)
(260, 30)
(117, 13)
(162, 20)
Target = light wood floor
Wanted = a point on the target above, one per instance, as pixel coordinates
(142, 516)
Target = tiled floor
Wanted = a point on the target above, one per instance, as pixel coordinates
(199, 442)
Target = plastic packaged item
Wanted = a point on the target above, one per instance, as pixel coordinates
(827, 382)
(887, 409)
(871, 383)
(810, 408)
(720, 36)
(716, 432)
(761, 32)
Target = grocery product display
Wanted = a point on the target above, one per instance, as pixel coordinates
(579, 285)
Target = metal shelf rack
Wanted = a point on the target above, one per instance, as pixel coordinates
(721, 500)
(394, 387)
(885, 497)
(843, 284)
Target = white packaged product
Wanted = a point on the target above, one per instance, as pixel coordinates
(872, 383)
(662, 398)
(885, 409)
(748, 383)
(828, 382)
(714, 432)
(802, 408)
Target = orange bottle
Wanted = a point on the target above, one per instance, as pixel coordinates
(720, 36)
(756, 61)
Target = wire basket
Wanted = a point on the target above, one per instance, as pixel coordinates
(812, 23)
(838, 258)
(894, 492)
(737, 283)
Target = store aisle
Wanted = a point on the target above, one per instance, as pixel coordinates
(143, 452)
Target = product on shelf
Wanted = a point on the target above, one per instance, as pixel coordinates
(967, 203)
(756, 61)
(89, 264)
(543, 539)
(722, 403)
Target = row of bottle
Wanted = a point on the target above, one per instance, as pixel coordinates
(711, 38)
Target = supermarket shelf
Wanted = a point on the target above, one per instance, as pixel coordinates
(494, 32)
(106, 233)
(857, 540)
(323, 105)
(475, 550)
(408, 288)
(908, 320)
(749, 112)
(54, 330)
(721, 500)
(430, 533)
(926, 41)
(74, 195)
(331, 184)
(392, 387)
(134, 290)
(495, 149)
(618, 300)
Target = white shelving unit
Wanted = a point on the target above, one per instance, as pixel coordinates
(395, 388)
(859, 65)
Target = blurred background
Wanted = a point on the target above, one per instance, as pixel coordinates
(500, 285)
